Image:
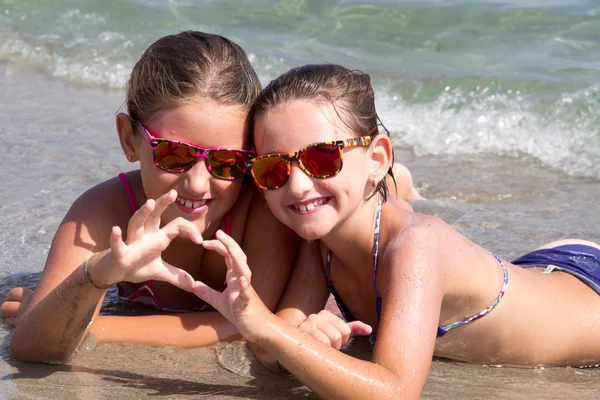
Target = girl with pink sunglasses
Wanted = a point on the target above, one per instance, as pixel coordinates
(413, 283)
(187, 100)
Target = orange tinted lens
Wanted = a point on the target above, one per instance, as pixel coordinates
(227, 164)
(322, 161)
(270, 172)
(174, 157)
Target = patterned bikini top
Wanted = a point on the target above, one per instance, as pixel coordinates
(441, 330)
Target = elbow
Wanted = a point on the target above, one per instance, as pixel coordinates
(26, 348)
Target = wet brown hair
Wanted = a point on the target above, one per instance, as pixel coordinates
(180, 68)
(349, 92)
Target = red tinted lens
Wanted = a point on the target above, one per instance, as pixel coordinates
(174, 157)
(270, 172)
(322, 161)
(227, 164)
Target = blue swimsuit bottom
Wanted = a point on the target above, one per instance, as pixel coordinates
(578, 260)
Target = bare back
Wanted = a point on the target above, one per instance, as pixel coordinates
(543, 319)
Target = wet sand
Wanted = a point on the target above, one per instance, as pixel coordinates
(229, 371)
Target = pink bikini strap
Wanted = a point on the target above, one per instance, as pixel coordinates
(134, 207)
(128, 191)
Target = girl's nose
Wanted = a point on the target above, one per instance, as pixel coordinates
(198, 177)
(299, 182)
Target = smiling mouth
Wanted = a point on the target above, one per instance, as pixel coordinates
(192, 205)
(307, 207)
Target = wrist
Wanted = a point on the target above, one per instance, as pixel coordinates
(270, 328)
(273, 337)
(88, 273)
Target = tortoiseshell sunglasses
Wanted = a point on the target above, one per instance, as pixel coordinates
(319, 160)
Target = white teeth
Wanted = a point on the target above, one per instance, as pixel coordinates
(311, 206)
(191, 204)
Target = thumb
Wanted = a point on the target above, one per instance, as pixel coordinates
(176, 277)
(359, 328)
(206, 293)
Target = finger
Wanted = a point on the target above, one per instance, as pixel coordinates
(17, 294)
(230, 275)
(117, 246)
(240, 302)
(135, 228)
(27, 294)
(215, 245)
(244, 293)
(153, 221)
(336, 339)
(240, 261)
(10, 308)
(181, 227)
(233, 283)
(244, 286)
(359, 328)
(206, 293)
(220, 248)
(320, 336)
(342, 328)
(316, 326)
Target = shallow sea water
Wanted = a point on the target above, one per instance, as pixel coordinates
(63, 141)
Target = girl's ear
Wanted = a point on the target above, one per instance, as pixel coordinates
(381, 158)
(127, 137)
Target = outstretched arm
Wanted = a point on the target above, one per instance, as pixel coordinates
(271, 248)
(405, 340)
(188, 330)
(68, 297)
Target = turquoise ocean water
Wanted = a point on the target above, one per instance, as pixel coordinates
(515, 78)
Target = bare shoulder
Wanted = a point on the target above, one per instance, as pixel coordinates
(85, 228)
(421, 230)
(417, 241)
(103, 206)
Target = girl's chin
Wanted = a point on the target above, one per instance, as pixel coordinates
(310, 234)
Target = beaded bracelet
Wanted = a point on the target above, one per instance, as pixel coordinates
(87, 272)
